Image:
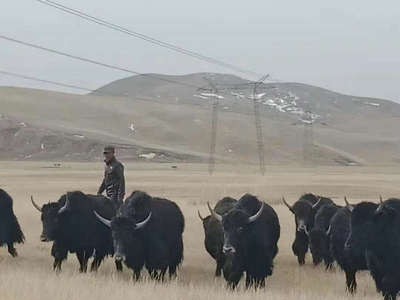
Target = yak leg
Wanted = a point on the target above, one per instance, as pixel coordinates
(328, 263)
(153, 273)
(59, 253)
(351, 282)
(249, 281)
(118, 265)
(390, 287)
(98, 258)
(259, 283)
(79, 256)
(136, 274)
(83, 260)
(161, 275)
(375, 268)
(95, 264)
(12, 250)
(254, 282)
(300, 247)
(233, 280)
(220, 265)
(172, 271)
(390, 296)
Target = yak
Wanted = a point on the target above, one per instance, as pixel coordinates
(10, 230)
(72, 226)
(361, 236)
(213, 233)
(318, 236)
(251, 233)
(304, 211)
(147, 232)
(383, 249)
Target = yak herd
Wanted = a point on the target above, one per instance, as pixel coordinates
(240, 235)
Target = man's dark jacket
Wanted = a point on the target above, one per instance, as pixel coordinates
(114, 181)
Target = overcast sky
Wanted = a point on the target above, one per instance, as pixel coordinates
(347, 46)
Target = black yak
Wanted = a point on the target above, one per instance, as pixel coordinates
(251, 233)
(147, 231)
(318, 237)
(72, 226)
(304, 211)
(383, 249)
(213, 233)
(361, 236)
(10, 231)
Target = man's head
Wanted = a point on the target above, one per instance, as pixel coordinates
(109, 153)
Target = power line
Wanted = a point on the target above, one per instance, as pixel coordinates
(77, 87)
(45, 81)
(144, 37)
(91, 61)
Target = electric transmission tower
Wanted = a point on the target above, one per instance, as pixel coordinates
(214, 126)
(308, 138)
(258, 123)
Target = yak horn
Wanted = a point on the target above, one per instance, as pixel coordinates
(345, 201)
(348, 205)
(328, 232)
(306, 231)
(287, 204)
(143, 223)
(35, 205)
(102, 220)
(257, 215)
(199, 214)
(64, 208)
(380, 199)
(316, 204)
(213, 213)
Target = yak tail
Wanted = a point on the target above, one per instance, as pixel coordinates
(17, 236)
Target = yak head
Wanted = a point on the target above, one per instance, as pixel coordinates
(362, 228)
(49, 218)
(125, 233)
(212, 227)
(303, 212)
(235, 225)
(210, 224)
(53, 213)
(75, 202)
(205, 220)
(387, 213)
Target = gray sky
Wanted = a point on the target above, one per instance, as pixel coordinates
(347, 46)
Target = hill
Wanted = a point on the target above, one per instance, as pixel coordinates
(155, 119)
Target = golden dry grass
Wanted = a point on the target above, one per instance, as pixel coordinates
(30, 276)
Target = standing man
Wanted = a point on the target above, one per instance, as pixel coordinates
(114, 179)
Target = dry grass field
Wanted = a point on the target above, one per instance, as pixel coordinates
(30, 276)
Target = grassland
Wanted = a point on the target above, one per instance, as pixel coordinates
(30, 276)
